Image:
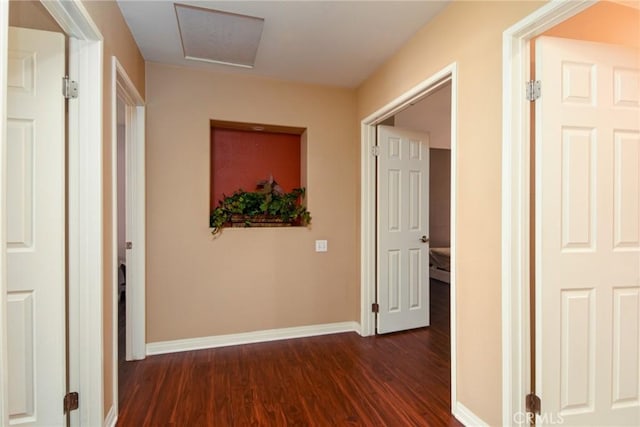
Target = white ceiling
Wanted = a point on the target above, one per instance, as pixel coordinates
(338, 43)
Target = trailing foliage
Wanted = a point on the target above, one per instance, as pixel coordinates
(267, 202)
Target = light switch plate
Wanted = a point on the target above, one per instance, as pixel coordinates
(321, 246)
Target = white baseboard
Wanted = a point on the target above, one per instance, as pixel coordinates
(466, 417)
(163, 347)
(111, 418)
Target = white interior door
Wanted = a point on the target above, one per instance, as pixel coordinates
(588, 233)
(403, 229)
(36, 227)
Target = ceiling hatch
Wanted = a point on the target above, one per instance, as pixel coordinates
(219, 37)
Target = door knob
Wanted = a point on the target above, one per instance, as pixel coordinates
(424, 239)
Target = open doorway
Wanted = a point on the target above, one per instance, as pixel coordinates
(128, 210)
(121, 179)
(432, 114)
(445, 80)
(414, 240)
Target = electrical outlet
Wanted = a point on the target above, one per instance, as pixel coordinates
(321, 246)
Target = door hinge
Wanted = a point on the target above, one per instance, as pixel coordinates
(128, 245)
(533, 404)
(375, 308)
(534, 89)
(375, 150)
(70, 402)
(69, 88)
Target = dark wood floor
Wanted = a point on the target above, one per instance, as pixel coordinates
(399, 379)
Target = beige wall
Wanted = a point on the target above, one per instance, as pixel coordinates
(469, 33)
(31, 14)
(118, 42)
(246, 279)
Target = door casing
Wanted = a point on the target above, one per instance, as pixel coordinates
(368, 215)
(123, 88)
(84, 204)
(516, 173)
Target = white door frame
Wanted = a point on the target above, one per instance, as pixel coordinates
(84, 163)
(368, 203)
(123, 89)
(4, 371)
(516, 360)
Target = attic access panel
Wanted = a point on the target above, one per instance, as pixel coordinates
(220, 37)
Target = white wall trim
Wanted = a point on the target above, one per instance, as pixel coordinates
(73, 18)
(453, 288)
(515, 199)
(125, 90)
(163, 347)
(368, 203)
(122, 88)
(367, 230)
(467, 417)
(112, 417)
(4, 370)
(86, 278)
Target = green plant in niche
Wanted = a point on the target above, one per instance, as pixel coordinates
(267, 206)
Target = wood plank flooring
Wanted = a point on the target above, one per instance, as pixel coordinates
(399, 379)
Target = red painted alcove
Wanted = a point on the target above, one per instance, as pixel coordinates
(240, 158)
